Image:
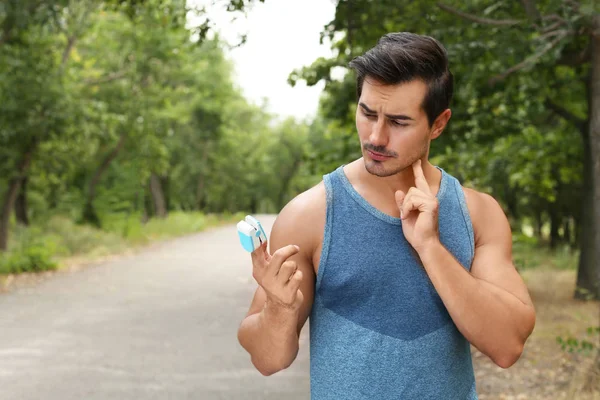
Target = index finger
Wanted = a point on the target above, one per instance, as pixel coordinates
(420, 181)
(281, 255)
(261, 256)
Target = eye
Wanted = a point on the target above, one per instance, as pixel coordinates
(369, 115)
(396, 123)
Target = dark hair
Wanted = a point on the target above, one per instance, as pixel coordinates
(402, 57)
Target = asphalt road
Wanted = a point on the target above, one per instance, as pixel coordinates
(161, 324)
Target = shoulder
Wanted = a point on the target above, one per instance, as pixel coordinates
(487, 216)
(479, 201)
(302, 220)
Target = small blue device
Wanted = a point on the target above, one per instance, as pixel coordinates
(251, 233)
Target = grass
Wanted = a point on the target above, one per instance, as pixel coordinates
(528, 254)
(58, 241)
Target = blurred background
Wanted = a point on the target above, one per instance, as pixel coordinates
(124, 122)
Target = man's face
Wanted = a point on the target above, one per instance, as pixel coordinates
(392, 126)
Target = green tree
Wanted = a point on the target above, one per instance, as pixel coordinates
(518, 67)
(37, 40)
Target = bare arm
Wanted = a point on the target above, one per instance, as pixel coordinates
(271, 328)
(491, 305)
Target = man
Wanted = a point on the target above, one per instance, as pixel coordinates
(398, 265)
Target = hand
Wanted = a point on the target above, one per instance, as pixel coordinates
(418, 211)
(278, 276)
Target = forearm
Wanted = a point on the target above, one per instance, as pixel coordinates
(491, 318)
(271, 338)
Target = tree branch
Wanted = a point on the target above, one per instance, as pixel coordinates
(554, 17)
(349, 24)
(552, 27)
(529, 60)
(566, 114)
(70, 43)
(480, 20)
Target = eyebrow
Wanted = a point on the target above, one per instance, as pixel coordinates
(390, 116)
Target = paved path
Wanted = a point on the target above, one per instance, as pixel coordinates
(159, 325)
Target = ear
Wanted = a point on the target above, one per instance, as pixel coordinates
(440, 123)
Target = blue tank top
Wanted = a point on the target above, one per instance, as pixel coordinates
(378, 328)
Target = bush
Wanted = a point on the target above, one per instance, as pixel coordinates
(34, 257)
(32, 248)
(529, 253)
(81, 239)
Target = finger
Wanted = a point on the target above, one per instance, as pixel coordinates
(295, 281)
(400, 196)
(416, 203)
(420, 181)
(267, 252)
(286, 271)
(411, 203)
(406, 208)
(280, 256)
(413, 191)
(260, 256)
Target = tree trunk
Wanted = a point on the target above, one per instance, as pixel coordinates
(511, 199)
(567, 237)
(539, 223)
(158, 197)
(554, 225)
(21, 204)
(166, 183)
(200, 198)
(586, 256)
(588, 274)
(11, 196)
(89, 212)
(146, 206)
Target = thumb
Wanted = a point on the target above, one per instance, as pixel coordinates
(266, 254)
(399, 195)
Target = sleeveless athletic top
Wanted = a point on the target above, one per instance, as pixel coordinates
(378, 328)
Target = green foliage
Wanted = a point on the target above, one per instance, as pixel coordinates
(107, 96)
(44, 246)
(133, 231)
(514, 84)
(583, 346)
(529, 253)
(32, 252)
(35, 258)
(111, 96)
(81, 239)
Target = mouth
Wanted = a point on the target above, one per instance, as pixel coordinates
(378, 156)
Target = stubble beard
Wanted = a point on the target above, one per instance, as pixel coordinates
(383, 169)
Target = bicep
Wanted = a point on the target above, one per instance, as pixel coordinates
(493, 250)
(286, 231)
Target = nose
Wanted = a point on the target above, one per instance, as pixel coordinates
(379, 135)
